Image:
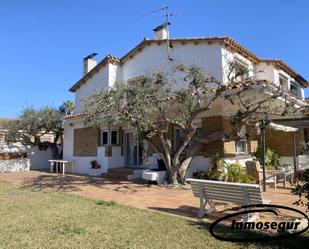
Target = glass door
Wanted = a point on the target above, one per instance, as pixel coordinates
(131, 150)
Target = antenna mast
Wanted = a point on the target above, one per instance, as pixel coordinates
(166, 23)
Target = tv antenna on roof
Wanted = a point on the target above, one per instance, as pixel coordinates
(166, 15)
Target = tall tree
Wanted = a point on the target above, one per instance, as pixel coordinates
(32, 125)
(155, 103)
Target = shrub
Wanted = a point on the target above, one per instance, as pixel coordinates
(301, 188)
(272, 158)
(236, 173)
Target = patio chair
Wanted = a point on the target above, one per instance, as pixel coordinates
(253, 168)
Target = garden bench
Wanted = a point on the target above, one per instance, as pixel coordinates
(238, 193)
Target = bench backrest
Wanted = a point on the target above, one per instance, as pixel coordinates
(239, 193)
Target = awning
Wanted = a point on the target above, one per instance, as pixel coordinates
(277, 127)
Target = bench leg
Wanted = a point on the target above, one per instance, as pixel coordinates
(212, 207)
(284, 181)
(202, 207)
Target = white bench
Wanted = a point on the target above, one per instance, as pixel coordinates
(239, 193)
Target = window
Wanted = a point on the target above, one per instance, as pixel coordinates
(114, 137)
(294, 88)
(136, 80)
(283, 82)
(241, 146)
(109, 138)
(104, 137)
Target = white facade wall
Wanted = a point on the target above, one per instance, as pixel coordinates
(265, 72)
(153, 59)
(81, 163)
(97, 82)
(39, 158)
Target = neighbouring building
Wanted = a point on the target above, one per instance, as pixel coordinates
(117, 147)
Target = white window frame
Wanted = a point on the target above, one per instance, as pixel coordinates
(284, 86)
(246, 146)
(109, 137)
(104, 131)
(296, 85)
(117, 137)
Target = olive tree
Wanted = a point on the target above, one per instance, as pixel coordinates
(155, 103)
(32, 124)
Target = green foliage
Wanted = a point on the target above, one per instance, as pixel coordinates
(305, 148)
(106, 203)
(138, 102)
(301, 188)
(272, 158)
(32, 124)
(152, 104)
(72, 230)
(207, 174)
(217, 162)
(236, 173)
(235, 70)
(67, 107)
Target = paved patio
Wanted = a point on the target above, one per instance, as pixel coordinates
(178, 201)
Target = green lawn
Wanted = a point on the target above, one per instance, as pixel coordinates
(31, 218)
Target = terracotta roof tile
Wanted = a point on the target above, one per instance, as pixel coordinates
(74, 115)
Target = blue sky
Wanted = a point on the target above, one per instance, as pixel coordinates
(43, 42)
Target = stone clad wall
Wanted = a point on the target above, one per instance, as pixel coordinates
(15, 165)
(2, 137)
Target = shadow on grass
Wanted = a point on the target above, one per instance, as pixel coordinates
(190, 211)
(300, 241)
(75, 183)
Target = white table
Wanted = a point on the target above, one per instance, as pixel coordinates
(62, 164)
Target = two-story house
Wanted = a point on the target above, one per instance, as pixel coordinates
(117, 147)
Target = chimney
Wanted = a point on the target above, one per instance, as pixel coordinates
(89, 63)
(161, 32)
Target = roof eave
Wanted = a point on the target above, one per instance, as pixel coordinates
(107, 59)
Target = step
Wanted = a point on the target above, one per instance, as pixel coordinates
(122, 171)
(115, 176)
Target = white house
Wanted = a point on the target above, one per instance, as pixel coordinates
(81, 145)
